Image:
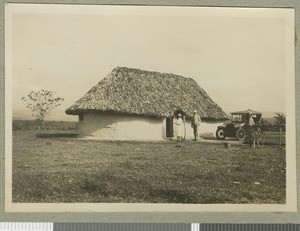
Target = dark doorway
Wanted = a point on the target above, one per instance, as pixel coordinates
(169, 127)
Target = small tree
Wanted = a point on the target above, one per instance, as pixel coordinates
(280, 118)
(41, 103)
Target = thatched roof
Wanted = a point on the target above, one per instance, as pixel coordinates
(145, 93)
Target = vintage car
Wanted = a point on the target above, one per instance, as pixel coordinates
(238, 127)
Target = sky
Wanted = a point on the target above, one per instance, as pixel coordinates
(237, 56)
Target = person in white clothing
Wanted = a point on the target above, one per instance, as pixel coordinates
(179, 127)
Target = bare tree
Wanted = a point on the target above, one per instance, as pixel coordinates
(41, 103)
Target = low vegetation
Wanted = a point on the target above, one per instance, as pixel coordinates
(48, 125)
(78, 170)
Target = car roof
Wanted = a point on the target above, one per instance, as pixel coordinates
(246, 112)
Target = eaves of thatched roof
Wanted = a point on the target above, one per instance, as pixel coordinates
(145, 93)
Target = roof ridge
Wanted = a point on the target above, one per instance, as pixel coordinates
(147, 71)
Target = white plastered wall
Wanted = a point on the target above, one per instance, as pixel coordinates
(125, 127)
(120, 127)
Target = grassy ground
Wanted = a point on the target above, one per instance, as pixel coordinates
(73, 170)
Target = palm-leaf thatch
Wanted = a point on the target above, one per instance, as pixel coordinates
(152, 94)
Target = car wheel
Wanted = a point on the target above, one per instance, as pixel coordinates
(220, 134)
(241, 134)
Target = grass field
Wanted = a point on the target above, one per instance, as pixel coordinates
(76, 170)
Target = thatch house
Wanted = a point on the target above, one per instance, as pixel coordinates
(136, 104)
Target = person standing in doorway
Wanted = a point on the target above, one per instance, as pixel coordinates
(196, 121)
(179, 127)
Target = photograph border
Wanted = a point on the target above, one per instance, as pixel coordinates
(170, 217)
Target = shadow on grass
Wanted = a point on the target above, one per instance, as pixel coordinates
(94, 187)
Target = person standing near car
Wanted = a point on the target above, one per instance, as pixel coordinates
(252, 136)
(251, 126)
(196, 121)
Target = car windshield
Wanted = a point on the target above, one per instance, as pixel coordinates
(240, 118)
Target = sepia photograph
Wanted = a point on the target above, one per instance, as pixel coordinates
(149, 108)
